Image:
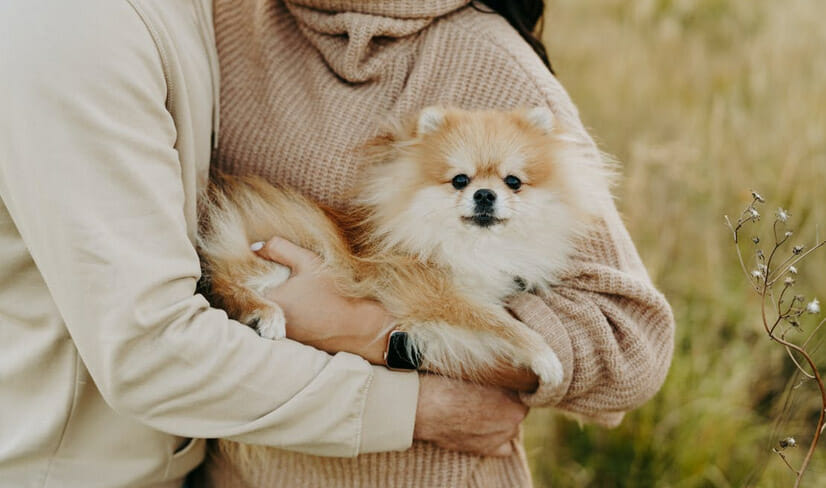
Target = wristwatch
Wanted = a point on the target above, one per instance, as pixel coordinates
(400, 353)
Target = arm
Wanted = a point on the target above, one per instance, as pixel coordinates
(610, 328)
(90, 173)
(452, 414)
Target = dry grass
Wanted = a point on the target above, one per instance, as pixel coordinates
(701, 100)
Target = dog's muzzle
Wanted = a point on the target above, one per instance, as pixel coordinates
(484, 208)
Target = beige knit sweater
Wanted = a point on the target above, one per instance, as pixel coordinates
(304, 82)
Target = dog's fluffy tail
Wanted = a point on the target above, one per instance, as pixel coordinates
(236, 211)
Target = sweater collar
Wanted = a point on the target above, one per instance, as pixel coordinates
(397, 9)
(345, 32)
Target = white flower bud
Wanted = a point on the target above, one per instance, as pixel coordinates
(788, 442)
(813, 307)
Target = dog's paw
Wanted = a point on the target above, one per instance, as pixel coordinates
(270, 323)
(548, 368)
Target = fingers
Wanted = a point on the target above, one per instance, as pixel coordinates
(285, 252)
(504, 450)
(498, 445)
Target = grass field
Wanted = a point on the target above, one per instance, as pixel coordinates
(701, 101)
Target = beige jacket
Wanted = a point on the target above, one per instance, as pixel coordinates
(109, 361)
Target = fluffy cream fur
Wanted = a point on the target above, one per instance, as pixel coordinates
(421, 245)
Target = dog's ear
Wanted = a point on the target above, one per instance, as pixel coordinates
(430, 119)
(541, 117)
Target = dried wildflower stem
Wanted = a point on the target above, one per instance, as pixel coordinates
(797, 259)
(735, 231)
(812, 334)
(818, 380)
(798, 365)
(770, 330)
(762, 280)
(767, 281)
(783, 457)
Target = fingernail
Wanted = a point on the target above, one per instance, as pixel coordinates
(257, 246)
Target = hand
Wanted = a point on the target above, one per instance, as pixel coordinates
(510, 377)
(317, 315)
(462, 416)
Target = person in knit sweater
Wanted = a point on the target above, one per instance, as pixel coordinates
(304, 84)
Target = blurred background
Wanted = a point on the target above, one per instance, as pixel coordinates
(700, 101)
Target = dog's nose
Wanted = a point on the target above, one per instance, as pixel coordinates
(484, 197)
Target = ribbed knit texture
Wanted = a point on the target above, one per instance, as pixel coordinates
(304, 83)
(423, 465)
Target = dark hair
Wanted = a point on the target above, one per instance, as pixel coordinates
(524, 16)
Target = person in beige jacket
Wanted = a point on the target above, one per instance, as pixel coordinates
(111, 366)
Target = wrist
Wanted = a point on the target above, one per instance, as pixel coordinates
(431, 410)
(370, 325)
(422, 423)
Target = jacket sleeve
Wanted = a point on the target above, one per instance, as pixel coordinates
(91, 177)
(612, 330)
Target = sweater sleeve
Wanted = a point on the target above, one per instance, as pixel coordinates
(612, 330)
(90, 174)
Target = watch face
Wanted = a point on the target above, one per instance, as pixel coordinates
(400, 352)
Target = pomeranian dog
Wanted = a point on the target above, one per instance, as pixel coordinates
(457, 211)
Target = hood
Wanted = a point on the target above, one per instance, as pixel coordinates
(356, 37)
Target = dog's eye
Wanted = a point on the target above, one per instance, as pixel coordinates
(513, 182)
(460, 181)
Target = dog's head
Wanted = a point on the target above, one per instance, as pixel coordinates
(462, 181)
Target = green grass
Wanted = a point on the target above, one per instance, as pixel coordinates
(701, 101)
